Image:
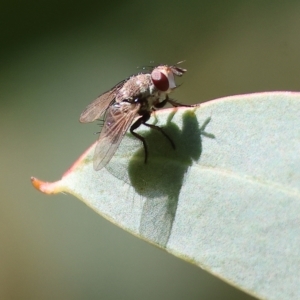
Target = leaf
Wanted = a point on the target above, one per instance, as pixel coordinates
(227, 199)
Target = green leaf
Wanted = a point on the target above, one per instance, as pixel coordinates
(227, 199)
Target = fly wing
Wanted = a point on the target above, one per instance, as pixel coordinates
(118, 119)
(94, 110)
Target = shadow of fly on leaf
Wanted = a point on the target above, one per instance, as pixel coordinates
(158, 183)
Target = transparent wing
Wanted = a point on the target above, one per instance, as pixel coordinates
(118, 119)
(94, 110)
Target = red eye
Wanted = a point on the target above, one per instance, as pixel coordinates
(160, 80)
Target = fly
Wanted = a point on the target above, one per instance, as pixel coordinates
(136, 96)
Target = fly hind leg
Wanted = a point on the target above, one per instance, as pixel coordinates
(146, 117)
(162, 131)
(142, 120)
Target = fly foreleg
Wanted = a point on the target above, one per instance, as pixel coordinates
(172, 102)
(176, 104)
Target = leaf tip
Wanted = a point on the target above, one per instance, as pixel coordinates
(46, 187)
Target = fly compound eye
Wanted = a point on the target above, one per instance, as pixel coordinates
(160, 80)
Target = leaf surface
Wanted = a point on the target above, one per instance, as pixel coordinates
(227, 199)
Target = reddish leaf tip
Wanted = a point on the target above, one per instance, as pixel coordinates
(46, 187)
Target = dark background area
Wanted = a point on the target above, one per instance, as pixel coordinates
(56, 57)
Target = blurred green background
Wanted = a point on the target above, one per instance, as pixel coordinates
(58, 56)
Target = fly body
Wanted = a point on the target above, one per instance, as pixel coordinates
(137, 96)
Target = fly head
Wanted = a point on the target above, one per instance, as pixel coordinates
(163, 77)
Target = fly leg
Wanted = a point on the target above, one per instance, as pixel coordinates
(172, 102)
(162, 131)
(175, 103)
(142, 120)
(159, 105)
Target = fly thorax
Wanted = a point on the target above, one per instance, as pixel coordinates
(137, 86)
